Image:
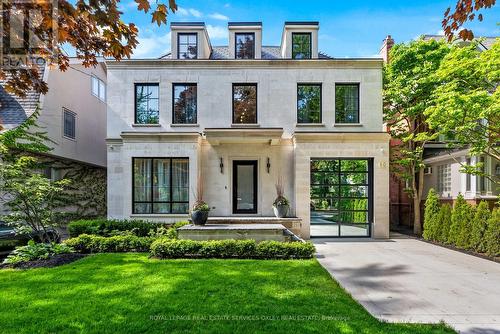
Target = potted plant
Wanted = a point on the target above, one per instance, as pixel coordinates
(280, 204)
(199, 213)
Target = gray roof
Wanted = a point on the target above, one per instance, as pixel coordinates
(486, 42)
(268, 53)
(14, 110)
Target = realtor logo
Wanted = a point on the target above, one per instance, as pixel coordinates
(29, 31)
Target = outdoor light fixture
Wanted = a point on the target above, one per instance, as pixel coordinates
(221, 165)
(268, 165)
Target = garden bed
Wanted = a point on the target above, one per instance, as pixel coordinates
(54, 261)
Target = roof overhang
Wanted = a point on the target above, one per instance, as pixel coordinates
(159, 136)
(339, 137)
(217, 136)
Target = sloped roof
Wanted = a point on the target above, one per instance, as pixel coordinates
(14, 110)
(486, 42)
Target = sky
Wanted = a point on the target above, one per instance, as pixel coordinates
(347, 28)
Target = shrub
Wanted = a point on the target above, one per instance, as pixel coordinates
(36, 251)
(106, 228)
(431, 216)
(170, 233)
(86, 243)
(168, 249)
(479, 225)
(444, 223)
(461, 217)
(492, 234)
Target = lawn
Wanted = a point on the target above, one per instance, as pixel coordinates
(130, 293)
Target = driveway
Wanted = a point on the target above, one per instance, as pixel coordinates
(407, 280)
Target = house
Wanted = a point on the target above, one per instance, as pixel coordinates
(73, 115)
(243, 116)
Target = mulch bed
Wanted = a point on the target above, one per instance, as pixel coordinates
(54, 261)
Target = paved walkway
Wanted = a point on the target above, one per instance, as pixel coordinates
(407, 280)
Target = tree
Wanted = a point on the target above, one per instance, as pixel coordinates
(92, 28)
(465, 10)
(444, 223)
(492, 235)
(467, 102)
(431, 222)
(479, 225)
(409, 83)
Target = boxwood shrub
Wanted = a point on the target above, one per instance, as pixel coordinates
(164, 248)
(86, 243)
(106, 228)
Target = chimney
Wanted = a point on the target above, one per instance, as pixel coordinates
(387, 44)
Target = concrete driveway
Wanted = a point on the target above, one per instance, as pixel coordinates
(407, 280)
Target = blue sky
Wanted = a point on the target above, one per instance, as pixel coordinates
(347, 28)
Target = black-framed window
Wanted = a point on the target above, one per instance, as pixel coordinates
(244, 45)
(160, 185)
(187, 45)
(184, 103)
(309, 103)
(346, 103)
(69, 124)
(245, 103)
(342, 195)
(147, 108)
(301, 45)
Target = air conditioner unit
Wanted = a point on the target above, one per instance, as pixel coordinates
(427, 170)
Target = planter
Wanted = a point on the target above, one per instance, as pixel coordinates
(280, 211)
(199, 217)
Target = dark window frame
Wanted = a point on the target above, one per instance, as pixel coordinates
(236, 44)
(152, 202)
(135, 100)
(173, 100)
(320, 101)
(66, 111)
(358, 115)
(255, 165)
(256, 101)
(310, 45)
(179, 44)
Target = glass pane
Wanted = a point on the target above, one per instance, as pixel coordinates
(146, 104)
(324, 191)
(354, 165)
(142, 180)
(354, 178)
(309, 104)
(161, 207)
(102, 90)
(161, 180)
(183, 39)
(245, 187)
(354, 204)
(185, 104)
(142, 208)
(322, 204)
(245, 104)
(324, 165)
(180, 208)
(245, 46)
(347, 103)
(354, 230)
(354, 191)
(180, 180)
(95, 86)
(301, 46)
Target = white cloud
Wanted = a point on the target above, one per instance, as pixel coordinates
(217, 32)
(181, 11)
(219, 16)
(440, 32)
(152, 45)
(195, 13)
(188, 12)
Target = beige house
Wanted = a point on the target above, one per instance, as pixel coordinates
(243, 116)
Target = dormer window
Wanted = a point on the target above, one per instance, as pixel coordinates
(301, 45)
(244, 45)
(187, 46)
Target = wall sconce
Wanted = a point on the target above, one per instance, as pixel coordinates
(268, 165)
(221, 165)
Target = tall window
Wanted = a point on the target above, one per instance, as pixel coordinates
(301, 45)
(185, 105)
(244, 45)
(69, 124)
(147, 109)
(346, 103)
(309, 103)
(161, 185)
(244, 103)
(444, 179)
(187, 46)
(98, 88)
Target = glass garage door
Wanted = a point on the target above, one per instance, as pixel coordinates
(341, 197)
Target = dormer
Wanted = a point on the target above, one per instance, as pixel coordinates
(300, 40)
(190, 40)
(245, 40)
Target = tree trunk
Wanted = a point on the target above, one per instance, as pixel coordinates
(417, 198)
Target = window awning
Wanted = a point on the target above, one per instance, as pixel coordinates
(217, 136)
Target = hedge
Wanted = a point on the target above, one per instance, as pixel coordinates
(86, 243)
(106, 228)
(164, 248)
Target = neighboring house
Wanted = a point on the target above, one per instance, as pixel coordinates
(73, 115)
(242, 116)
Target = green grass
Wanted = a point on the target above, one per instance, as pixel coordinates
(130, 293)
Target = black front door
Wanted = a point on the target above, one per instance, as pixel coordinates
(244, 186)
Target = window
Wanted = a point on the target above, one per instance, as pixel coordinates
(468, 176)
(301, 45)
(184, 108)
(346, 103)
(98, 88)
(444, 179)
(161, 185)
(244, 103)
(147, 109)
(69, 124)
(244, 46)
(187, 45)
(309, 103)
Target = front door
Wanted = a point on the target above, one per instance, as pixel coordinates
(244, 186)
